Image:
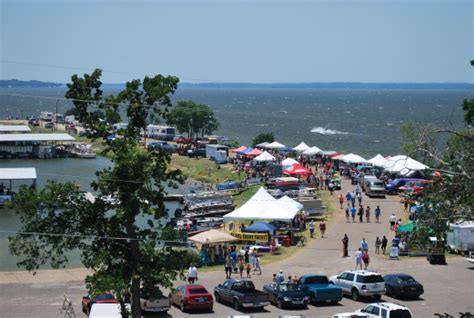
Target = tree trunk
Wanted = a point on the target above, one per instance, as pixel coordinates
(136, 310)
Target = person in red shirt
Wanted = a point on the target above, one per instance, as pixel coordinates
(322, 228)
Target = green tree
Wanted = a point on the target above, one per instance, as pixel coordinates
(193, 119)
(118, 234)
(263, 137)
(451, 197)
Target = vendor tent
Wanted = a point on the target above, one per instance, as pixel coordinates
(274, 145)
(264, 156)
(287, 200)
(262, 144)
(400, 162)
(301, 147)
(337, 157)
(378, 160)
(405, 228)
(353, 158)
(237, 150)
(212, 237)
(312, 151)
(296, 169)
(245, 151)
(255, 152)
(288, 162)
(262, 206)
(260, 227)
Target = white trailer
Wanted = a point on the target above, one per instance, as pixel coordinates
(460, 237)
(46, 116)
(160, 132)
(217, 152)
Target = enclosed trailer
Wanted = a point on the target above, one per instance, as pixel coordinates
(460, 237)
(217, 152)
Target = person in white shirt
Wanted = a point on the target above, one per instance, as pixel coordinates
(358, 257)
(392, 220)
(192, 274)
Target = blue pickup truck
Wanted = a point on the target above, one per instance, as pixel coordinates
(318, 289)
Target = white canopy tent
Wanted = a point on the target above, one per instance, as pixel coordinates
(288, 162)
(262, 206)
(401, 162)
(378, 161)
(262, 144)
(312, 151)
(301, 147)
(212, 237)
(275, 145)
(353, 158)
(293, 203)
(264, 156)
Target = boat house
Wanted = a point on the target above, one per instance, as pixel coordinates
(8, 175)
(14, 129)
(33, 145)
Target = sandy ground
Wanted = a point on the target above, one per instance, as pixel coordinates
(447, 288)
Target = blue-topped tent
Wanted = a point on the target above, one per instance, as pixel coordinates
(243, 152)
(260, 227)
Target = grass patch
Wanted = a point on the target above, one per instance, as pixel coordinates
(197, 169)
(245, 195)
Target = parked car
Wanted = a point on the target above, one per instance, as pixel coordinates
(393, 187)
(34, 122)
(48, 125)
(201, 152)
(383, 310)
(155, 305)
(103, 310)
(70, 126)
(163, 145)
(191, 297)
(374, 188)
(182, 140)
(360, 283)
(286, 295)
(241, 293)
(350, 315)
(402, 285)
(318, 289)
(364, 179)
(104, 298)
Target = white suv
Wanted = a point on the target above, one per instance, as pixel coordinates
(386, 310)
(360, 283)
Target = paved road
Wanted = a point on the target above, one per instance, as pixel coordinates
(447, 288)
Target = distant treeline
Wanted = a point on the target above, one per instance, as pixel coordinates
(17, 83)
(318, 85)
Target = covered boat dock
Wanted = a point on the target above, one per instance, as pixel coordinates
(8, 175)
(32, 145)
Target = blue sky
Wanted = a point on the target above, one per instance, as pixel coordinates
(239, 41)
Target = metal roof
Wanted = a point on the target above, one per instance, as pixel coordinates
(17, 173)
(36, 137)
(13, 128)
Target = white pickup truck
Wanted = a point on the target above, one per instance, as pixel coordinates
(159, 305)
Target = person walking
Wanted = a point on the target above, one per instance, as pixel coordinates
(359, 198)
(392, 219)
(384, 244)
(341, 200)
(361, 214)
(228, 266)
(353, 213)
(347, 215)
(280, 278)
(322, 228)
(311, 228)
(358, 258)
(192, 274)
(257, 265)
(364, 246)
(377, 214)
(367, 214)
(353, 198)
(345, 244)
(378, 242)
(241, 268)
(365, 259)
(248, 268)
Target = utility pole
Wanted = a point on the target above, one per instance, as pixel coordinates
(56, 115)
